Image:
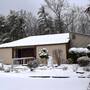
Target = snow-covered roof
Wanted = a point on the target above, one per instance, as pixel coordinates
(39, 40)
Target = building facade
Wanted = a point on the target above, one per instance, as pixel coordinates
(31, 46)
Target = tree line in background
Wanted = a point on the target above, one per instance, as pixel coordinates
(56, 16)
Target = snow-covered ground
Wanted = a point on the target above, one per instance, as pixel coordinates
(44, 78)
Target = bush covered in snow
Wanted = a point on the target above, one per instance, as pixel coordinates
(32, 65)
(7, 69)
(73, 57)
(70, 61)
(75, 53)
(86, 69)
(83, 61)
(79, 50)
(43, 53)
(88, 46)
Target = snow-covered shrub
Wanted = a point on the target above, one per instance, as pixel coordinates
(83, 61)
(79, 50)
(86, 69)
(70, 61)
(43, 53)
(73, 57)
(88, 54)
(32, 65)
(75, 53)
(7, 69)
(88, 47)
(75, 67)
(65, 68)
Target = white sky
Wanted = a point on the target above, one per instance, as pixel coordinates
(79, 2)
(29, 5)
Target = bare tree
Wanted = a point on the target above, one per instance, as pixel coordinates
(31, 24)
(76, 20)
(57, 7)
(57, 54)
(69, 18)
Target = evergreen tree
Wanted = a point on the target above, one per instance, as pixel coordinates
(16, 26)
(44, 22)
(2, 24)
(4, 37)
(59, 26)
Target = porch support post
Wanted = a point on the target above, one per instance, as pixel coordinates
(12, 64)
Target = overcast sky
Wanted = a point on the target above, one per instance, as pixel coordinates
(30, 5)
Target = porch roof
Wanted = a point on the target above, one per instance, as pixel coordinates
(39, 40)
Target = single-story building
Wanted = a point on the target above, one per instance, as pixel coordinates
(30, 47)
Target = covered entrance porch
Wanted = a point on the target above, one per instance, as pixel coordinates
(23, 55)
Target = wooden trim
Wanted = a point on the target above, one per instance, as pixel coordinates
(21, 48)
(67, 48)
(52, 44)
(23, 58)
(32, 46)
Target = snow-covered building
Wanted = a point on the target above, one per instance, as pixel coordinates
(30, 46)
(79, 40)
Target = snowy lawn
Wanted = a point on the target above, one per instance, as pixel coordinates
(23, 80)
